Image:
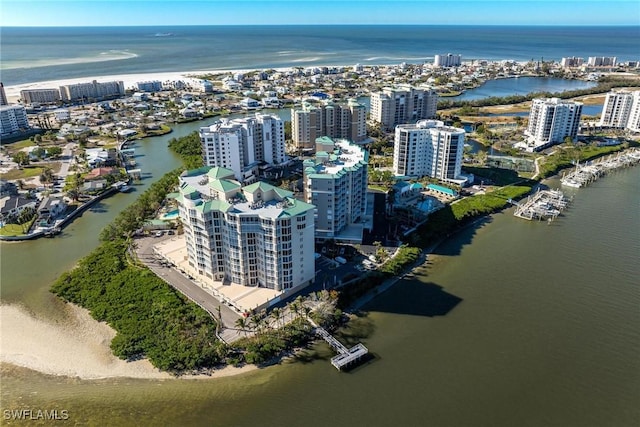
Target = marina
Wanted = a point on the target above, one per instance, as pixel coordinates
(542, 205)
(585, 174)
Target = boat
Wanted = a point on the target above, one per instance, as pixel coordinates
(571, 183)
(124, 188)
(52, 232)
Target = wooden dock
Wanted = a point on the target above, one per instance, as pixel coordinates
(346, 356)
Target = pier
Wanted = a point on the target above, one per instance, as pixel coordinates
(346, 356)
(583, 175)
(544, 204)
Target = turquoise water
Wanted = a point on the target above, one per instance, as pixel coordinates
(38, 54)
(170, 215)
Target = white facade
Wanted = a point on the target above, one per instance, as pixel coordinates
(255, 236)
(402, 104)
(13, 118)
(428, 148)
(633, 123)
(572, 61)
(243, 144)
(602, 61)
(91, 91)
(335, 182)
(344, 121)
(40, 96)
(621, 110)
(150, 86)
(551, 120)
(448, 60)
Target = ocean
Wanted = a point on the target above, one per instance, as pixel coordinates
(509, 323)
(40, 54)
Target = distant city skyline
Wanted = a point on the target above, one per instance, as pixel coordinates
(63, 13)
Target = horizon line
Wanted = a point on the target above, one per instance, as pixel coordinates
(323, 25)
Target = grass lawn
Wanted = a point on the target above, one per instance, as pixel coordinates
(30, 171)
(16, 229)
(24, 173)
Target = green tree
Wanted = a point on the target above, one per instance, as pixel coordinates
(73, 185)
(21, 158)
(47, 177)
(53, 151)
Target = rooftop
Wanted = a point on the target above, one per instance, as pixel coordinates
(344, 157)
(227, 195)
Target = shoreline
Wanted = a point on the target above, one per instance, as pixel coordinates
(78, 347)
(129, 79)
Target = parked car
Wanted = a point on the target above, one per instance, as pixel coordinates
(159, 233)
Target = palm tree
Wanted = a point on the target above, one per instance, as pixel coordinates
(276, 313)
(241, 324)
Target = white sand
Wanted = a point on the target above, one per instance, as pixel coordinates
(77, 348)
(130, 80)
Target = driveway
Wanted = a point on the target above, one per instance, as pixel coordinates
(188, 287)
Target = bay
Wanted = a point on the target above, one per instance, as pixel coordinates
(509, 323)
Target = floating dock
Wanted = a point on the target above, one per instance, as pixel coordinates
(543, 205)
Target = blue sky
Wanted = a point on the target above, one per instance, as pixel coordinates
(238, 12)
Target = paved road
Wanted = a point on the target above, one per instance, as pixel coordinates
(187, 287)
(66, 159)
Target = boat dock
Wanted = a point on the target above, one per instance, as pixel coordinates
(346, 356)
(544, 204)
(583, 175)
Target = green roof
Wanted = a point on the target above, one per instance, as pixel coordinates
(214, 205)
(263, 186)
(188, 191)
(224, 185)
(193, 172)
(219, 173)
(442, 189)
(282, 192)
(297, 207)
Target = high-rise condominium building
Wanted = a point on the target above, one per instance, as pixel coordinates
(335, 182)
(572, 61)
(551, 120)
(258, 235)
(40, 96)
(402, 104)
(448, 60)
(311, 121)
(242, 145)
(428, 148)
(602, 61)
(621, 110)
(13, 119)
(92, 91)
(3, 95)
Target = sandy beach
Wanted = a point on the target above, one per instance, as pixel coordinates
(78, 347)
(130, 80)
